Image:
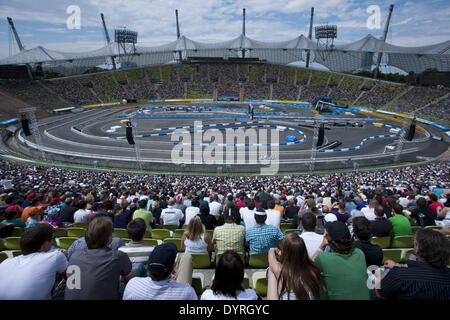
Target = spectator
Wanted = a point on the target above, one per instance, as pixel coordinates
(381, 227)
(137, 250)
(261, 237)
(82, 214)
(229, 207)
(179, 204)
(273, 216)
(123, 216)
(214, 206)
(192, 211)
(248, 214)
(31, 276)
(209, 221)
(361, 236)
(156, 212)
(400, 224)
(428, 278)
(228, 278)
(349, 281)
(195, 239)
(33, 210)
(160, 284)
(292, 275)
(338, 209)
(100, 268)
(291, 211)
(229, 236)
(144, 214)
(67, 212)
(10, 217)
(369, 212)
(279, 207)
(434, 203)
(172, 215)
(11, 202)
(34, 219)
(310, 237)
(422, 213)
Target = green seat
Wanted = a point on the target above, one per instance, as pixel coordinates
(161, 234)
(60, 232)
(177, 242)
(76, 232)
(83, 225)
(3, 256)
(120, 233)
(210, 232)
(218, 255)
(217, 216)
(126, 240)
(170, 227)
(406, 253)
(152, 242)
(287, 231)
(285, 226)
(383, 242)
(260, 283)
(198, 282)
(402, 242)
(201, 261)
(178, 233)
(433, 227)
(392, 254)
(17, 232)
(16, 253)
(184, 227)
(414, 229)
(12, 243)
(258, 260)
(66, 242)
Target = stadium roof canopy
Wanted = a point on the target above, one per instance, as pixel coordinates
(355, 56)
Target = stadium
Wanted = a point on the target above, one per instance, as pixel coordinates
(188, 124)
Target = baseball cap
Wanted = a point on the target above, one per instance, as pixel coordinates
(337, 230)
(31, 196)
(179, 197)
(162, 257)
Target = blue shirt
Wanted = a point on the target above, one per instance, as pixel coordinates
(261, 238)
(147, 289)
(80, 244)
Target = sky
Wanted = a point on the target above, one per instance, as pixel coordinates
(44, 22)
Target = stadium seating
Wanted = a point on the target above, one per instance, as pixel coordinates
(383, 242)
(198, 282)
(434, 227)
(285, 226)
(402, 242)
(392, 254)
(81, 225)
(287, 231)
(201, 260)
(258, 260)
(170, 227)
(178, 233)
(17, 232)
(65, 242)
(259, 283)
(60, 232)
(76, 232)
(414, 229)
(3, 256)
(120, 233)
(161, 234)
(405, 254)
(176, 241)
(12, 243)
(152, 242)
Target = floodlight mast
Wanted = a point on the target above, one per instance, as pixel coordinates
(243, 30)
(108, 40)
(380, 54)
(308, 53)
(19, 43)
(180, 57)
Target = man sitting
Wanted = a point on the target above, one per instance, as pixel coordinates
(229, 236)
(261, 237)
(310, 237)
(381, 227)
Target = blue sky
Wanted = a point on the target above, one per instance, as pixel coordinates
(43, 22)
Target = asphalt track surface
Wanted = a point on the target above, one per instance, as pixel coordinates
(91, 133)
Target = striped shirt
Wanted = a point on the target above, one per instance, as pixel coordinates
(229, 236)
(137, 251)
(261, 238)
(147, 289)
(420, 281)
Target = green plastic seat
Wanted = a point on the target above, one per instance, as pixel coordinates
(392, 254)
(201, 261)
(120, 233)
(217, 216)
(285, 226)
(287, 231)
(433, 227)
(218, 255)
(260, 283)
(211, 233)
(406, 253)
(16, 253)
(402, 242)
(383, 242)
(3, 256)
(177, 242)
(170, 227)
(83, 225)
(184, 227)
(76, 232)
(17, 232)
(66, 242)
(12, 243)
(161, 234)
(178, 233)
(152, 242)
(258, 260)
(414, 229)
(60, 232)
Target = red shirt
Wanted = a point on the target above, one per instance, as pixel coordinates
(434, 205)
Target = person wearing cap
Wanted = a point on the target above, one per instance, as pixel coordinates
(261, 237)
(229, 236)
(100, 268)
(33, 210)
(161, 283)
(172, 215)
(179, 204)
(344, 269)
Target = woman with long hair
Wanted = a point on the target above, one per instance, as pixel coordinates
(228, 278)
(195, 239)
(292, 275)
(122, 216)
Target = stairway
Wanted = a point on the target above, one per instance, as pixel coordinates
(445, 96)
(401, 94)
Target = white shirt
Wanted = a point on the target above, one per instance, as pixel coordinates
(190, 213)
(171, 215)
(31, 277)
(81, 215)
(404, 202)
(248, 216)
(273, 217)
(214, 208)
(369, 213)
(248, 294)
(312, 241)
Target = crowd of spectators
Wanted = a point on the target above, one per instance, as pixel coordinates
(336, 215)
